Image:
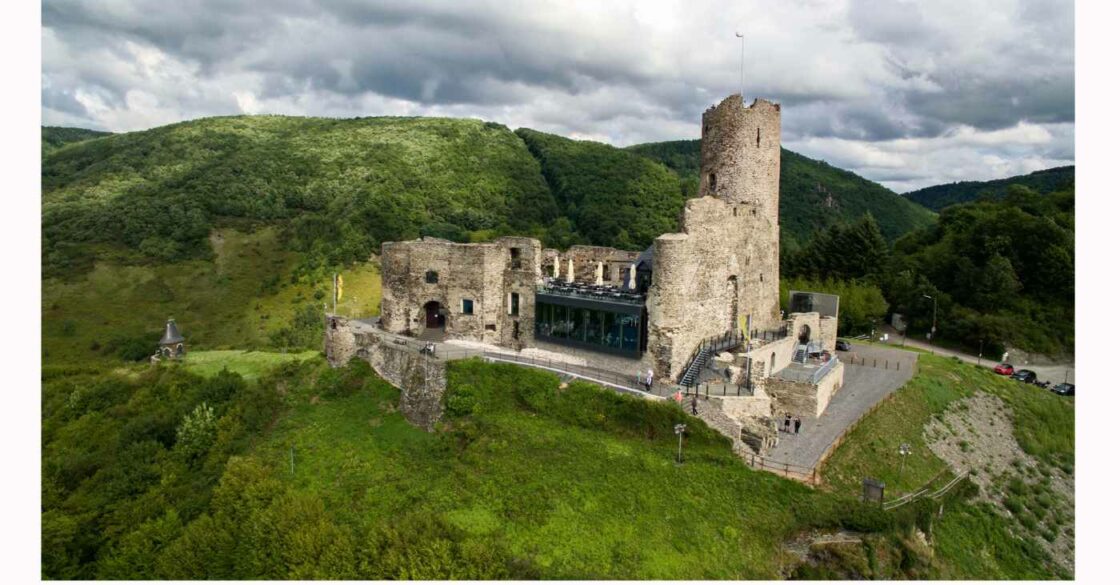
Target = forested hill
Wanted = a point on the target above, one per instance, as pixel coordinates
(814, 194)
(55, 137)
(341, 187)
(938, 197)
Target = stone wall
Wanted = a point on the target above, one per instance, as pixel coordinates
(804, 399)
(422, 380)
(484, 273)
(585, 260)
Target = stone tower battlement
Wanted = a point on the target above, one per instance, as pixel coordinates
(740, 154)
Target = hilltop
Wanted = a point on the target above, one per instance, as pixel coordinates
(55, 137)
(938, 197)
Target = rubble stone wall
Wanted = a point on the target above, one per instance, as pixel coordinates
(484, 273)
(422, 380)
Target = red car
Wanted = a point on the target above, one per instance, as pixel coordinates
(1004, 369)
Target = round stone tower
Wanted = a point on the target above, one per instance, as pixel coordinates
(740, 164)
(740, 154)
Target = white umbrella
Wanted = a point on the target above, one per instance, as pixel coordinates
(571, 271)
(599, 274)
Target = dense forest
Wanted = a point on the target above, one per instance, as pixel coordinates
(55, 137)
(938, 197)
(341, 187)
(1001, 271)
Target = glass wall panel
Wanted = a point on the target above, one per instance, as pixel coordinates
(630, 325)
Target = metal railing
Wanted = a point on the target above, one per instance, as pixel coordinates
(713, 344)
(795, 373)
(925, 492)
(719, 389)
(633, 383)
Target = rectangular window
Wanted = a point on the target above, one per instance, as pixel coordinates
(468, 307)
(515, 258)
(514, 304)
(431, 277)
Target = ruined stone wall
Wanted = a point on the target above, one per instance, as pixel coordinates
(742, 408)
(484, 273)
(585, 259)
(804, 399)
(828, 327)
(422, 380)
(774, 355)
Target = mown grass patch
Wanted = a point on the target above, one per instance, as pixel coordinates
(249, 364)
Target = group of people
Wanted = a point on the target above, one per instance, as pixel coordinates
(788, 420)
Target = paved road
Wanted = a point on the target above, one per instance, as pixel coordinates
(1054, 373)
(863, 387)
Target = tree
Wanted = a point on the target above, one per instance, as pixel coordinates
(197, 431)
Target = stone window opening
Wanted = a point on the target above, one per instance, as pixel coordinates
(515, 258)
(514, 304)
(431, 277)
(772, 363)
(491, 327)
(754, 211)
(467, 307)
(712, 182)
(735, 211)
(758, 137)
(760, 279)
(334, 323)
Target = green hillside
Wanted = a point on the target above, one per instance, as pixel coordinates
(345, 185)
(814, 194)
(310, 472)
(613, 197)
(55, 137)
(938, 197)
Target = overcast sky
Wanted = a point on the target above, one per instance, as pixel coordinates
(907, 93)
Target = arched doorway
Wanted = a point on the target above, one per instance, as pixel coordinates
(803, 335)
(434, 315)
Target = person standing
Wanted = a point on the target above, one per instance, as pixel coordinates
(649, 380)
(797, 425)
(694, 399)
(786, 425)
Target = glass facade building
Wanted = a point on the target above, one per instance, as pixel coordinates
(611, 327)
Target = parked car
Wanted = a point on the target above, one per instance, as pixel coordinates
(1063, 389)
(1004, 369)
(843, 345)
(1025, 376)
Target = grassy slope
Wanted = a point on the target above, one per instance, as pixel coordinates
(250, 365)
(805, 185)
(575, 502)
(938, 197)
(233, 301)
(974, 541)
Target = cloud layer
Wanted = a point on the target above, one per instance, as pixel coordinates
(908, 93)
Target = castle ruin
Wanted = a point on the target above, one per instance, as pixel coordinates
(707, 295)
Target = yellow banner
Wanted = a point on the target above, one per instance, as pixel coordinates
(338, 287)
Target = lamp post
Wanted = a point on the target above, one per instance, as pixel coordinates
(903, 451)
(679, 430)
(933, 329)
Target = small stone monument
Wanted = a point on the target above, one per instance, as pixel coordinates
(171, 344)
(873, 490)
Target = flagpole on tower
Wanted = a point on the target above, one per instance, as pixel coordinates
(742, 57)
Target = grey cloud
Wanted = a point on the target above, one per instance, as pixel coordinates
(862, 72)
